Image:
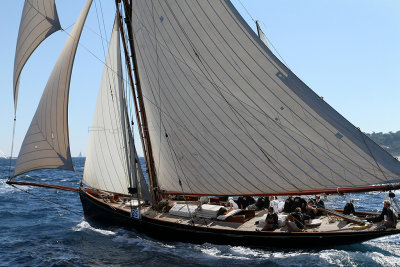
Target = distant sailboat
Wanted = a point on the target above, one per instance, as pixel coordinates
(80, 155)
(2, 154)
(218, 115)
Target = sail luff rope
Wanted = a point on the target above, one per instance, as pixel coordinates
(147, 148)
(128, 69)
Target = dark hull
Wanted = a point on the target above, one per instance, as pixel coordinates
(103, 213)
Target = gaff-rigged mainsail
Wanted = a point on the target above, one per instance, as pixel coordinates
(46, 144)
(226, 117)
(39, 20)
(111, 161)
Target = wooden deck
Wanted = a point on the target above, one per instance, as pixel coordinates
(329, 223)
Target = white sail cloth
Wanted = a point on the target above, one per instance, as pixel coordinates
(110, 163)
(226, 117)
(39, 20)
(46, 144)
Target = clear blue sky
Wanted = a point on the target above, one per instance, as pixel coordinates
(346, 51)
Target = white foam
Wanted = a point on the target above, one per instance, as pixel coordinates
(84, 225)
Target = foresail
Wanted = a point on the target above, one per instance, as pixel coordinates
(106, 165)
(226, 117)
(46, 144)
(39, 20)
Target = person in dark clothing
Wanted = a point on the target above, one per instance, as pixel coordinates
(349, 208)
(299, 218)
(320, 204)
(299, 202)
(271, 220)
(262, 203)
(389, 222)
(288, 205)
(311, 210)
(245, 201)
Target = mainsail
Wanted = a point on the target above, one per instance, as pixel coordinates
(46, 144)
(39, 20)
(226, 117)
(111, 162)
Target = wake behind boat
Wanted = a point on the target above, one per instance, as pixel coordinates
(218, 115)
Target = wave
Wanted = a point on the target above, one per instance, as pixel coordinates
(84, 226)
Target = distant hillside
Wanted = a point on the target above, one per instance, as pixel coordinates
(389, 141)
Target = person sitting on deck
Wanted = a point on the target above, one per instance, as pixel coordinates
(232, 204)
(245, 201)
(298, 219)
(349, 208)
(390, 221)
(274, 202)
(262, 203)
(320, 204)
(271, 220)
(311, 210)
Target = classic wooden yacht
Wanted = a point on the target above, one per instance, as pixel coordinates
(218, 115)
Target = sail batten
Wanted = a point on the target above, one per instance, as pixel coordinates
(46, 144)
(39, 20)
(226, 117)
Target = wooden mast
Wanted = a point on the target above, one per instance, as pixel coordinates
(139, 107)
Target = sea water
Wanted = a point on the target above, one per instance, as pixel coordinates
(39, 233)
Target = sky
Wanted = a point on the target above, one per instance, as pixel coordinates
(346, 51)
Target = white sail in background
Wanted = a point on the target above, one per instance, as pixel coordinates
(109, 164)
(2, 154)
(46, 144)
(39, 20)
(227, 117)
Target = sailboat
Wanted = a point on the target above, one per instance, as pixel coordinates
(218, 115)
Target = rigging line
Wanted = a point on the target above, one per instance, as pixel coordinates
(208, 76)
(102, 17)
(275, 49)
(47, 200)
(12, 145)
(248, 13)
(179, 179)
(372, 155)
(101, 33)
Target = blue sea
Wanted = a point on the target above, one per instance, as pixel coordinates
(39, 233)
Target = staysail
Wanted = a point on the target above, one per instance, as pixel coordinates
(46, 144)
(226, 117)
(39, 20)
(111, 162)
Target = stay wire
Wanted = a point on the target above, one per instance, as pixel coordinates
(12, 146)
(46, 200)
